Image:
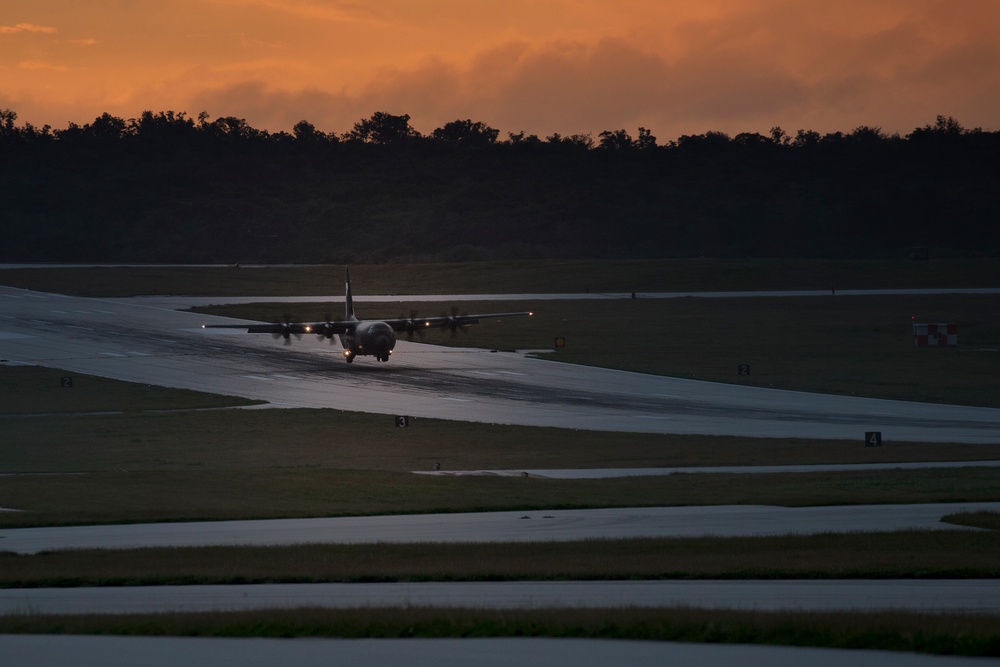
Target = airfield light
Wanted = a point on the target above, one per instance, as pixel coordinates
(308, 329)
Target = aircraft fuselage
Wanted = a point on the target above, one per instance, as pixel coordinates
(372, 338)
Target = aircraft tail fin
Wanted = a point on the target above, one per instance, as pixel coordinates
(348, 300)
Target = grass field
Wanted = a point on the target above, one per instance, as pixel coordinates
(512, 277)
(904, 554)
(955, 634)
(125, 464)
(106, 451)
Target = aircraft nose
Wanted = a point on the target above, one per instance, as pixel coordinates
(385, 340)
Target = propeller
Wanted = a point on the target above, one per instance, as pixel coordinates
(326, 330)
(453, 324)
(286, 331)
(413, 325)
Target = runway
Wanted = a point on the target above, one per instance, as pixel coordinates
(135, 341)
(519, 526)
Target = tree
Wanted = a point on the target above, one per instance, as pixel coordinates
(306, 133)
(106, 128)
(865, 134)
(382, 128)
(751, 139)
(466, 133)
(944, 127)
(617, 140)
(708, 140)
(231, 127)
(584, 141)
(805, 138)
(7, 118)
(163, 125)
(646, 139)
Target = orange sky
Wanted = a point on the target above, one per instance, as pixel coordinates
(543, 66)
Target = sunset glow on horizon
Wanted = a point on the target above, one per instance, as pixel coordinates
(540, 66)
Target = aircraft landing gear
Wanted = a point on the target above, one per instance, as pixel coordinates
(348, 356)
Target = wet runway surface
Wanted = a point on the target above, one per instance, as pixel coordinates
(129, 340)
(515, 526)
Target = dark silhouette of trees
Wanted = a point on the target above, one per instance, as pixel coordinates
(466, 133)
(520, 139)
(617, 140)
(383, 128)
(943, 128)
(646, 140)
(306, 133)
(573, 142)
(165, 126)
(168, 187)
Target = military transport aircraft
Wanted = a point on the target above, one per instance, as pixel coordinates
(376, 338)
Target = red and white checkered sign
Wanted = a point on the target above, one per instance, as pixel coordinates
(935, 335)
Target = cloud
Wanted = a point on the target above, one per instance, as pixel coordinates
(26, 27)
(573, 87)
(33, 65)
(330, 10)
(567, 88)
(675, 67)
(276, 110)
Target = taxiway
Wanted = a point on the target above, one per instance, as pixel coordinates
(527, 526)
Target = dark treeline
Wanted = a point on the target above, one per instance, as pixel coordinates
(166, 187)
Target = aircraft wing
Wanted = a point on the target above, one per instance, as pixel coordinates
(291, 328)
(411, 324)
(405, 324)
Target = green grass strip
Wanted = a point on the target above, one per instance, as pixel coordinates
(942, 634)
(904, 554)
(987, 520)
